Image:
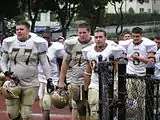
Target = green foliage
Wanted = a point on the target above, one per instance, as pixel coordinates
(130, 19)
(9, 9)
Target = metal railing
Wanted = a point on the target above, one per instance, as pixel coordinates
(135, 97)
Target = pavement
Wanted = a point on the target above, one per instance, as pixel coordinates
(56, 114)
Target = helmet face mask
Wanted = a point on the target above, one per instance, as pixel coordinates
(60, 98)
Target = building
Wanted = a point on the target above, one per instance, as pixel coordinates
(149, 6)
(43, 20)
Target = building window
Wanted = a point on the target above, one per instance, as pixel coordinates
(149, 10)
(141, 10)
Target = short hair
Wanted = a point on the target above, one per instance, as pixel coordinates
(137, 30)
(48, 32)
(157, 37)
(23, 22)
(127, 32)
(84, 25)
(100, 30)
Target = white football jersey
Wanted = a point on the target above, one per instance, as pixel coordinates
(134, 66)
(56, 50)
(157, 64)
(92, 56)
(77, 63)
(23, 58)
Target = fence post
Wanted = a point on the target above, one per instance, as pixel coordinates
(111, 86)
(106, 88)
(102, 106)
(149, 102)
(121, 89)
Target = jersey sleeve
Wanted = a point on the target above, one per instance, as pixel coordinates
(118, 52)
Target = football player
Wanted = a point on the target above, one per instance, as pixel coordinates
(104, 48)
(21, 53)
(55, 51)
(139, 51)
(77, 64)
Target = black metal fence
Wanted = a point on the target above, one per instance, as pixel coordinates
(134, 97)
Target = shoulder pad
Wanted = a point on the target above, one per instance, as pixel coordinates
(57, 45)
(148, 42)
(38, 39)
(88, 48)
(110, 42)
(33, 34)
(125, 42)
(71, 40)
(7, 42)
(41, 43)
(9, 39)
(69, 43)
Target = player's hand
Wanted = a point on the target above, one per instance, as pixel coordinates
(62, 85)
(50, 86)
(8, 75)
(135, 56)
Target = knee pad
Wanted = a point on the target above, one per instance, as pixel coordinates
(17, 118)
(26, 111)
(81, 107)
(94, 115)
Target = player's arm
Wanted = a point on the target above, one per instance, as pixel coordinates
(5, 57)
(150, 58)
(60, 54)
(45, 64)
(87, 76)
(64, 69)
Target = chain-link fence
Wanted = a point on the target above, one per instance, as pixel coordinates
(135, 97)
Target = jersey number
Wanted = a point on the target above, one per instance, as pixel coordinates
(79, 57)
(136, 62)
(15, 51)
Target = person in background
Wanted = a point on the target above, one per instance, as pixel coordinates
(61, 39)
(127, 35)
(55, 52)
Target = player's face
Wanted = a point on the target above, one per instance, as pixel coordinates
(126, 37)
(22, 32)
(84, 34)
(47, 36)
(136, 38)
(100, 39)
(158, 42)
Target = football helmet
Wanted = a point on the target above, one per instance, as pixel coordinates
(2, 79)
(60, 98)
(10, 91)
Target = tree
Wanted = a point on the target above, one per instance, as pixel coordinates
(93, 12)
(8, 10)
(65, 11)
(33, 8)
